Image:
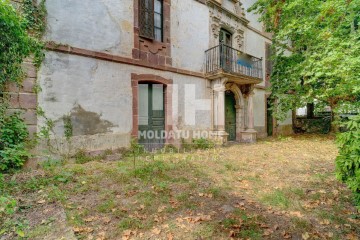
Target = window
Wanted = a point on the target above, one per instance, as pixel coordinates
(151, 19)
(225, 37)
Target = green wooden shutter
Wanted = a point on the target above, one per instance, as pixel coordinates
(146, 18)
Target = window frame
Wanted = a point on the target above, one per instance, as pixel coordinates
(148, 50)
(142, 14)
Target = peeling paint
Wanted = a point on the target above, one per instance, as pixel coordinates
(88, 123)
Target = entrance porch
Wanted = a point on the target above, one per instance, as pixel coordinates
(233, 75)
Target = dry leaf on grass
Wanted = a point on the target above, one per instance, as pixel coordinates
(82, 230)
(127, 234)
(156, 231)
(90, 219)
(268, 232)
(41, 201)
(305, 236)
(170, 236)
(161, 209)
(286, 235)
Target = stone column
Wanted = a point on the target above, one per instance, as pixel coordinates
(251, 110)
(219, 110)
(249, 135)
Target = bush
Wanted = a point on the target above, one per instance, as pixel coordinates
(13, 137)
(15, 44)
(7, 206)
(202, 143)
(348, 161)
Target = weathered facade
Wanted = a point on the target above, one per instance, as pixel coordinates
(194, 66)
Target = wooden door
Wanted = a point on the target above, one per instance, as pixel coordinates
(226, 58)
(151, 116)
(230, 115)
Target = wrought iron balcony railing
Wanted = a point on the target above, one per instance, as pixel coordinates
(230, 60)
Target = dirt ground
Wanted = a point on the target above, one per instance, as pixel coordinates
(283, 188)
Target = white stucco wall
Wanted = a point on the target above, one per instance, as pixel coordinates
(288, 120)
(99, 25)
(189, 34)
(104, 88)
(259, 106)
(253, 18)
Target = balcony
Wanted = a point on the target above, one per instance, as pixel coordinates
(225, 61)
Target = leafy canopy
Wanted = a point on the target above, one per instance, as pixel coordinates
(15, 44)
(316, 46)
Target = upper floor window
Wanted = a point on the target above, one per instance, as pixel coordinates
(151, 19)
(225, 37)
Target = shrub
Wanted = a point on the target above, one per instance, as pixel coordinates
(7, 206)
(202, 143)
(348, 161)
(20, 37)
(13, 137)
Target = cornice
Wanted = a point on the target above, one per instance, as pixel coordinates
(215, 4)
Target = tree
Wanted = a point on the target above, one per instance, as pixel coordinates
(317, 51)
(316, 47)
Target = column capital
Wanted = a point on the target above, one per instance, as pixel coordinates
(219, 85)
(251, 90)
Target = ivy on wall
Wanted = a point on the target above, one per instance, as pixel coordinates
(21, 31)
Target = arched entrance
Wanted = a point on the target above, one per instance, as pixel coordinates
(152, 110)
(151, 107)
(230, 115)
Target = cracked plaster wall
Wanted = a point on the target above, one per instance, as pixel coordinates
(99, 25)
(79, 86)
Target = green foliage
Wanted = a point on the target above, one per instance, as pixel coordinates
(316, 55)
(35, 14)
(15, 44)
(314, 125)
(21, 33)
(68, 128)
(202, 143)
(316, 51)
(348, 161)
(7, 206)
(82, 157)
(13, 136)
(135, 150)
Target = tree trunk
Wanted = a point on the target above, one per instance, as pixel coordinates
(310, 110)
(334, 120)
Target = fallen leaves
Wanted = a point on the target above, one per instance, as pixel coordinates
(305, 236)
(42, 201)
(83, 230)
(161, 209)
(156, 231)
(199, 218)
(325, 222)
(127, 234)
(286, 235)
(207, 195)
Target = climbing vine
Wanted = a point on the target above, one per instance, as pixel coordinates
(21, 31)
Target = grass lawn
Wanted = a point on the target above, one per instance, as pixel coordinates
(282, 188)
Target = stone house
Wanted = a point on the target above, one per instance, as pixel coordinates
(135, 68)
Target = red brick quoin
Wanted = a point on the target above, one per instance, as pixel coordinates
(135, 80)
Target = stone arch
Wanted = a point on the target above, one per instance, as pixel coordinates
(240, 108)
